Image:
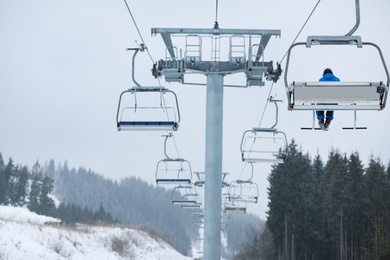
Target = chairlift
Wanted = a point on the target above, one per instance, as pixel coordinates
(234, 206)
(198, 219)
(201, 179)
(185, 196)
(191, 206)
(173, 170)
(198, 222)
(197, 211)
(132, 116)
(264, 144)
(337, 95)
(243, 191)
(150, 114)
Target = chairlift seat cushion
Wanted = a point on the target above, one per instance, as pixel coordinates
(147, 125)
(173, 181)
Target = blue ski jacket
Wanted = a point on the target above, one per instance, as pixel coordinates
(329, 77)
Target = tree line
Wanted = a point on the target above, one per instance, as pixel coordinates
(334, 210)
(87, 197)
(21, 187)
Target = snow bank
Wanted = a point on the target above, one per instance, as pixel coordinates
(23, 215)
(23, 235)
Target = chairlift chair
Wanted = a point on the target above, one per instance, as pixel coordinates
(338, 95)
(201, 179)
(266, 145)
(173, 170)
(198, 211)
(243, 191)
(185, 196)
(132, 116)
(234, 206)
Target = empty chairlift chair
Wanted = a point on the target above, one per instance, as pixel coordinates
(175, 171)
(186, 196)
(243, 191)
(148, 108)
(233, 206)
(267, 145)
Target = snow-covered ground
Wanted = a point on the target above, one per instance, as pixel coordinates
(26, 235)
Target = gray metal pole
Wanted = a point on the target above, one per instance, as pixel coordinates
(213, 167)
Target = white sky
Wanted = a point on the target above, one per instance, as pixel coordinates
(63, 66)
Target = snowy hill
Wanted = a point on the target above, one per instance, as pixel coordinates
(26, 235)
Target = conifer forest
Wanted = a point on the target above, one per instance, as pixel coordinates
(339, 209)
(333, 209)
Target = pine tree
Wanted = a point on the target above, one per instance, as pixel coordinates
(3, 183)
(375, 186)
(46, 203)
(102, 216)
(8, 182)
(319, 235)
(355, 208)
(35, 191)
(291, 203)
(1, 162)
(19, 187)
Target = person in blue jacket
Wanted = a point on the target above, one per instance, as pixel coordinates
(325, 119)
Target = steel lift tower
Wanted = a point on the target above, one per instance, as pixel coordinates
(244, 55)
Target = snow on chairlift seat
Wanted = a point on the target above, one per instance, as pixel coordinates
(336, 95)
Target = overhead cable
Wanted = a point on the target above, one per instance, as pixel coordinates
(303, 26)
(139, 33)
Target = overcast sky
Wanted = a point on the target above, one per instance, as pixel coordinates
(63, 66)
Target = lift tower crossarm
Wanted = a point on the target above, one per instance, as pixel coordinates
(215, 31)
(168, 42)
(174, 68)
(263, 42)
(167, 32)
